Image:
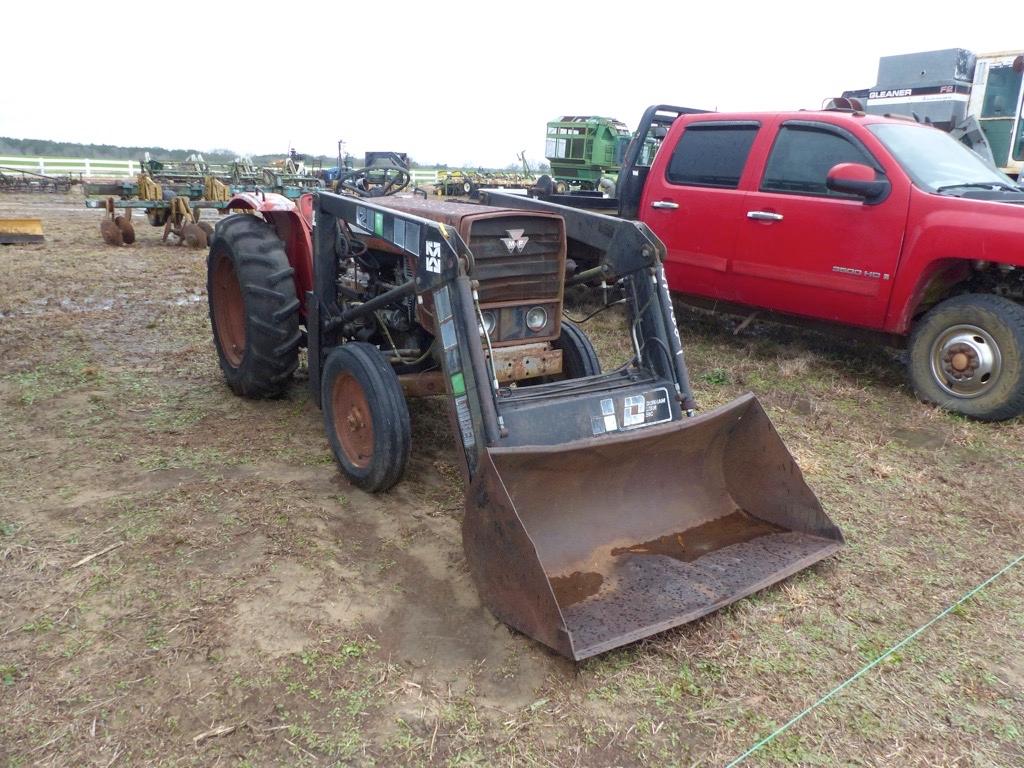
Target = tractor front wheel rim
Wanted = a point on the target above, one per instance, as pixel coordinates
(352, 420)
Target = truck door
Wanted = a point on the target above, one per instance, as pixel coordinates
(806, 250)
(692, 201)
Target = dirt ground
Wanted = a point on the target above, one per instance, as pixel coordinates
(247, 607)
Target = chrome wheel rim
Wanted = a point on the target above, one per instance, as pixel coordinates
(966, 361)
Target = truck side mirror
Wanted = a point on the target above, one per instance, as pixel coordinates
(860, 180)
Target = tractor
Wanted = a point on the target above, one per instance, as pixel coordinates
(600, 507)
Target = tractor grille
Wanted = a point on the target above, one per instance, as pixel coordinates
(525, 270)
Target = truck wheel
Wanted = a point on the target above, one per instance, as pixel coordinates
(365, 416)
(253, 309)
(579, 358)
(967, 355)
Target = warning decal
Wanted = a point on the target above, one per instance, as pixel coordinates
(653, 407)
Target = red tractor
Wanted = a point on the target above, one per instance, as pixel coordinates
(600, 508)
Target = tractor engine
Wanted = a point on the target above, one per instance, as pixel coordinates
(518, 268)
(365, 272)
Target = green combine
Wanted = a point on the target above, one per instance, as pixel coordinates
(583, 149)
(586, 151)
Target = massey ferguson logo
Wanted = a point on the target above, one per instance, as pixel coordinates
(433, 254)
(515, 242)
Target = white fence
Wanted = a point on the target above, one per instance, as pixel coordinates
(86, 167)
(120, 169)
(424, 176)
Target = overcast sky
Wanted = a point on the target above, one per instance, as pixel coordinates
(456, 82)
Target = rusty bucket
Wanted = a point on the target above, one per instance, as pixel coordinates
(593, 544)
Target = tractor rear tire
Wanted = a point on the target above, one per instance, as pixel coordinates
(366, 417)
(579, 358)
(253, 309)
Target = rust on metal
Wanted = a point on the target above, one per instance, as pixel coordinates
(527, 361)
(603, 541)
(689, 545)
(424, 384)
(353, 423)
(228, 311)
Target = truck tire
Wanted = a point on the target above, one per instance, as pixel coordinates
(967, 355)
(579, 358)
(366, 417)
(253, 309)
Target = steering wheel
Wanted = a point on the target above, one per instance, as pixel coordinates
(374, 182)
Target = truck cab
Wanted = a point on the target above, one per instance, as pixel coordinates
(853, 219)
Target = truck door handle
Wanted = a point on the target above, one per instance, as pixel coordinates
(764, 216)
(664, 204)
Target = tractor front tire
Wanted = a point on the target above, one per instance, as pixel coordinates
(967, 356)
(579, 358)
(253, 309)
(366, 417)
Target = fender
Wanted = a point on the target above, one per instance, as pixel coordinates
(944, 235)
(933, 283)
(294, 225)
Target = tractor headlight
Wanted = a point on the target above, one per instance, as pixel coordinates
(489, 322)
(536, 319)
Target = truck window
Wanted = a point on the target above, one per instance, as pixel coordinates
(711, 155)
(802, 157)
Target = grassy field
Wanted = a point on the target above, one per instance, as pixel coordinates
(247, 607)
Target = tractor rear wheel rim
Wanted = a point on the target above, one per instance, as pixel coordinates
(229, 311)
(352, 421)
(966, 361)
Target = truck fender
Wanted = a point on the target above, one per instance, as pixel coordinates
(933, 284)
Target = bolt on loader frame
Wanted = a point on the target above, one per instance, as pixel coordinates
(599, 510)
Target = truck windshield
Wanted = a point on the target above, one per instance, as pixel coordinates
(935, 160)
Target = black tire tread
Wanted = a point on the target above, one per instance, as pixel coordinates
(272, 334)
(389, 411)
(579, 358)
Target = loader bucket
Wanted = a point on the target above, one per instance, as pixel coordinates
(596, 543)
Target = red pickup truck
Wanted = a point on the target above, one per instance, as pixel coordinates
(878, 223)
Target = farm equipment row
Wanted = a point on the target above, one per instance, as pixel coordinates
(463, 183)
(192, 179)
(173, 195)
(21, 180)
(177, 214)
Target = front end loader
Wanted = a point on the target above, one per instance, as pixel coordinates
(600, 508)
